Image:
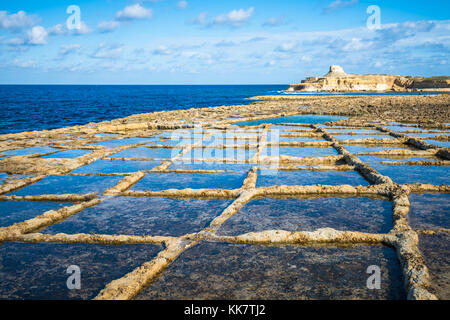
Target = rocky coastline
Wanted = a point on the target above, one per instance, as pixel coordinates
(369, 120)
(336, 80)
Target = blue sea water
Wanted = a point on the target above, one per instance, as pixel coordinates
(44, 107)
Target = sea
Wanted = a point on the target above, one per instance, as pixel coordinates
(45, 107)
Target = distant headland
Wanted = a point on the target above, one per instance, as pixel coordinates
(336, 80)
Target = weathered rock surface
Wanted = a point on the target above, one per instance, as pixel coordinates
(337, 80)
(366, 113)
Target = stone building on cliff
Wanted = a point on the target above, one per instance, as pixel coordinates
(336, 80)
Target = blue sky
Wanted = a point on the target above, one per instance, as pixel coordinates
(218, 42)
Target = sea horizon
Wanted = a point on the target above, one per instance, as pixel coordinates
(223, 156)
(45, 106)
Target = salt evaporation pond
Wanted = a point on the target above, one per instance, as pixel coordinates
(309, 118)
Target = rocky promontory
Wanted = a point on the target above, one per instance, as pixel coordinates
(336, 80)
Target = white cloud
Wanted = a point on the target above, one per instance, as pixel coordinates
(205, 58)
(129, 13)
(274, 22)
(183, 4)
(15, 42)
(378, 64)
(235, 18)
(108, 26)
(134, 12)
(162, 51)
(200, 19)
(254, 39)
(286, 47)
(68, 49)
(339, 4)
(107, 51)
(37, 35)
(24, 64)
(288, 55)
(83, 29)
(225, 43)
(16, 21)
(61, 29)
(306, 58)
(58, 30)
(356, 44)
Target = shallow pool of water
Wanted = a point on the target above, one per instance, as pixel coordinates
(402, 128)
(245, 272)
(342, 137)
(17, 211)
(162, 181)
(176, 142)
(30, 151)
(143, 217)
(312, 119)
(436, 175)
(334, 130)
(436, 252)
(117, 166)
(67, 154)
(220, 154)
(149, 153)
(283, 129)
(275, 139)
(300, 151)
(123, 142)
(69, 185)
(209, 165)
(375, 148)
(348, 214)
(376, 159)
(429, 210)
(39, 271)
(3, 177)
(106, 134)
(238, 134)
(231, 142)
(424, 135)
(267, 178)
(443, 144)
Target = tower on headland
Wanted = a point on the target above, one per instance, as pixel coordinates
(336, 72)
(337, 80)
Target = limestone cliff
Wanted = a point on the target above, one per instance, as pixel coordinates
(338, 81)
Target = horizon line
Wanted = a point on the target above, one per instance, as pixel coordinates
(119, 84)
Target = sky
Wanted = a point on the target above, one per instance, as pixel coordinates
(218, 42)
